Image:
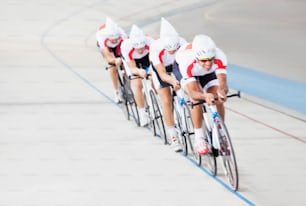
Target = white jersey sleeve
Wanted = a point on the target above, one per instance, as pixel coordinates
(126, 49)
(101, 38)
(156, 52)
(184, 58)
(220, 61)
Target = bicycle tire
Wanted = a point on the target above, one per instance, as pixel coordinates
(124, 104)
(180, 131)
(158, 125)
(209, 160)
(227, 155)
(189, 131)
(132, 106)
(151, 123)
(123, 94)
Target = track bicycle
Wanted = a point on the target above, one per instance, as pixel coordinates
(219, 143)
(152, 107)
(127, 100)
(177, 101)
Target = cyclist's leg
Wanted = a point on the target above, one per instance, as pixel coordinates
(197, 118)
(196, 111)
(166, 105)
(165, 94)
(139, 98)
(113, 73)
(137, 90)
(114, 77)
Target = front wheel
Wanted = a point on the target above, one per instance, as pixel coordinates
(209, 161)
(179, 129)
(227, 155)
(158, 122)
(189, 132)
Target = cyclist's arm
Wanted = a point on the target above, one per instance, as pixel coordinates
(160, 68)
(135, 70)
(196, 93)
(110, 57)
(221, 62)
(222, 82)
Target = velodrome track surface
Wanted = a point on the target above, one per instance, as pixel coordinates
(64, 142)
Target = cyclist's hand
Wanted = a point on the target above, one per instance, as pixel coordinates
(118, 61)
(210, 99)
(142, 73)
(222, 95)
(176, 85)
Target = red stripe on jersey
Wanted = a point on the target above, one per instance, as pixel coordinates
(105, 42)
(118, 49)
(160, 56)
(131, 53)
(189, 68)
(219, 64)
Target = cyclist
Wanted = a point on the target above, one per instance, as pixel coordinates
(109, 37)
(135, 52)
(162, 56)
(203, 69)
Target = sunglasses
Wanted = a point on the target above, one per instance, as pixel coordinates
(206, 59)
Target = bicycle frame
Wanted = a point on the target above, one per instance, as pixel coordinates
(152, 106)
(220, 142)
(147, 87)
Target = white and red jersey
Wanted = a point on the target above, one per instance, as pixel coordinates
(190, 68)
(129, 53)
(158, 55)
(103, 40)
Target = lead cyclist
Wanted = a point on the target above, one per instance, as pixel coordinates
(203, 69)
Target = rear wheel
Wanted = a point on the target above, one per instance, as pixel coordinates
(131, 103)
(189, 132)
(158, 125)
(124, 105)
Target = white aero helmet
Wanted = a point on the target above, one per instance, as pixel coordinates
(111, 29)
(137, 37)
(203, 47)
(169, 36)
(171, 43)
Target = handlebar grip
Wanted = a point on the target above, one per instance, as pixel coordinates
(203, 101)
